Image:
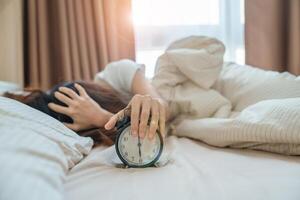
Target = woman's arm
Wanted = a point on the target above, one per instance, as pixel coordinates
(145, 104)
(84, 111)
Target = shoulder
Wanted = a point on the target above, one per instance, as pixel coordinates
(119, 74)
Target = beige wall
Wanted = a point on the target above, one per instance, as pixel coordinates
(11, 47)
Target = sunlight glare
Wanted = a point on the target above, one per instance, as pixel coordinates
(175, 12)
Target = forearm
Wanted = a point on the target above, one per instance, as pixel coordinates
(145, 104)
(140, 85)
(143, 86)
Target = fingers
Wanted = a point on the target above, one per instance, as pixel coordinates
(69, 92)
(111, 122)
(154, 119)
(63, 98)
(141, 107)
(135, 115)
(59, 109)
(162, 120)
(146, 107)
(81, 90)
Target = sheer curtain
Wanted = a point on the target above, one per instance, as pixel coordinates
(159, 22)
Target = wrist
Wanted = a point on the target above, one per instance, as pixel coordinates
(102, 118)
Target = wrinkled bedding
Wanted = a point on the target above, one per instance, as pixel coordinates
(221, 104)
(196, 171)
(185, 74)
(228, 105)
(36, 151)
(8, 86)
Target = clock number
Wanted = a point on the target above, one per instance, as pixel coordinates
(125, 139)
(140, 160)
(126, 153)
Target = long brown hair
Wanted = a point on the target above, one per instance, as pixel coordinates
(107, 98)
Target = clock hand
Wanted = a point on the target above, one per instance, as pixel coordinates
(139, 145)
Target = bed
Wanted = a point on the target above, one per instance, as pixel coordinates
(196, 171)
(42, 159)
(8, 86)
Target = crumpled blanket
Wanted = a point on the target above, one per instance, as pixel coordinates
(185, 77)
(185, 74)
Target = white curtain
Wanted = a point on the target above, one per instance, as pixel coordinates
(159, 22)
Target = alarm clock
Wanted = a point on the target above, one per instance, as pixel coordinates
(134, 151)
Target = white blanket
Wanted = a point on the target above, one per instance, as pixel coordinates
(187, 76)
(36, 151)
(270, 125)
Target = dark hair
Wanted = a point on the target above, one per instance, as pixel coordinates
(107, 98)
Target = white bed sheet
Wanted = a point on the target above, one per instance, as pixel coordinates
(197, 171)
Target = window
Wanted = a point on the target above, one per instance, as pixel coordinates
(157, 23)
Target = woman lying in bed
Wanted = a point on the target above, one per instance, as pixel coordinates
(92, 109)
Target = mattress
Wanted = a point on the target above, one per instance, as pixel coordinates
(194, 171)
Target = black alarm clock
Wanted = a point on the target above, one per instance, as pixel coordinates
(134, 151)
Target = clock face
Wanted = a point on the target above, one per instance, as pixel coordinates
(137, 152)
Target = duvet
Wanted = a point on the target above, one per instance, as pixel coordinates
(228, 105)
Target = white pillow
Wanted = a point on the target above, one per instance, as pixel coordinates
(245, 85)
(8, 86)
(36, 151)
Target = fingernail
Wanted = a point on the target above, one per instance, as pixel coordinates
(109, 125)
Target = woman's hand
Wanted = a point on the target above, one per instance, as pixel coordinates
(84, 111)
(142, 108)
